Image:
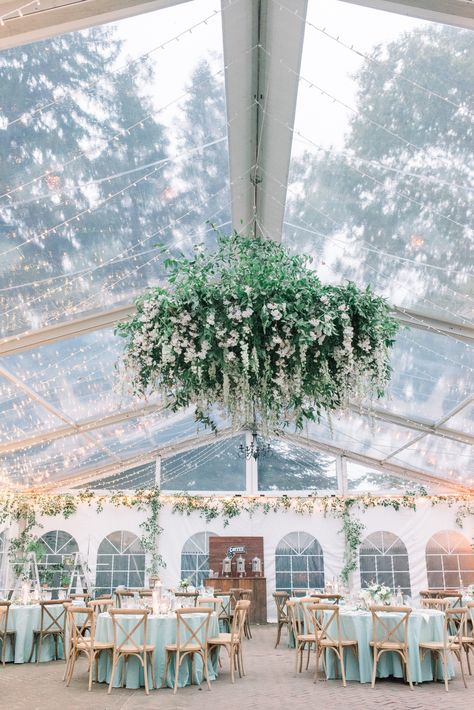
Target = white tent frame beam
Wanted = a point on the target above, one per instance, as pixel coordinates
(438, 430)
(109, 318)
(256, 76)
(53, 17)
(80, 427)
(414, 424)
(96, 474)
(452, 12)
(53, 410)
(404, 472)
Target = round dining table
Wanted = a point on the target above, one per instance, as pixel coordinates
(161, 631)
(423, 625)
(23, 620)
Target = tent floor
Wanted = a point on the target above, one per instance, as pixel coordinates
(270, 683)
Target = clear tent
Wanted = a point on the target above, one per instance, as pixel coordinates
(104, 166)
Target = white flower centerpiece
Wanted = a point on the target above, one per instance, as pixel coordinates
(251, 330)
(376, 593)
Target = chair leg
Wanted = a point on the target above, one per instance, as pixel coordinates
(308, 656)
(466, 649)
(206, 669)
(241, 659)
(153, 673)
(145, 673)
(278, 634)
(407, 666)
(462, 668)
(444, 660)
(374, 668)
(71, 668)
(38, 653)
(92, 661)
(164, 680)
(341, 661)
(112, 672)
(232, 658)
(33, 645)
(176, 672)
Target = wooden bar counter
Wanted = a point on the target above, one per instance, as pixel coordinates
(258, 585)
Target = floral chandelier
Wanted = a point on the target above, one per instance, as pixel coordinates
(251, 331)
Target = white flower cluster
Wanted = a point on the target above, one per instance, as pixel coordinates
(252, 350)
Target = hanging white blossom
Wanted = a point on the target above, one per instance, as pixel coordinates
(251, 330)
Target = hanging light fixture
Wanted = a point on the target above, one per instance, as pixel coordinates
(254, 450)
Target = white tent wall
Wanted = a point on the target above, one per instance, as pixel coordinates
(414, 528)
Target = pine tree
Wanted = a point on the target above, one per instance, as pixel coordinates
(74, 140)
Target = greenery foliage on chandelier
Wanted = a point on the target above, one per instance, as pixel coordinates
(16, 506)
(251, 329)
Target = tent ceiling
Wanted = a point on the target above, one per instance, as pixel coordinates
(262, 52)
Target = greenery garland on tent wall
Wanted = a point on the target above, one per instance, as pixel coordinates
(27, 507)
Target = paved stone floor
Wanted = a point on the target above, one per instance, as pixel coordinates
(269, 683)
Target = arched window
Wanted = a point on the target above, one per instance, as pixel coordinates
(195, 558)
(120, 562)
(449, 560)
(383, 559)
(299, 562)
(57, 562)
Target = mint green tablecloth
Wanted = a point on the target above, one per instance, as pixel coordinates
(24, 620)
(423, 625)
(161, 631)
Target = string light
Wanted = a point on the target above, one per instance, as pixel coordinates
(124, 131)
(398, 76)
(127, 65)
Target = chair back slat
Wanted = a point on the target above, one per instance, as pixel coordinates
(124, 636)
(5, 608)
(383, 631)
(187, 634)
(210, 603)
(324, 618)
(52, 622)
(281, 599)
(99, 606)
(79, 621)
(238, 622)
(434, 603)
(226, 602)
(455, 627)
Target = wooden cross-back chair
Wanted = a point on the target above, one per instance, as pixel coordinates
(188, 595)
(453, 633)
(80, 623)
(211, 603)
(225, 614)
(191, 639)
(80, 596)
(233, 641)
(283, 621)
(99, 606)
(326, 627)
(121, 595)
(126, 643)
(468, 638)
(243, 594)
(386, 637)
(328, 597)
(5, 634)
(51, 624)
(304, 640)
(434, 603)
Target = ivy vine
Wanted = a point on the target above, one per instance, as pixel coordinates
(27, 507)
